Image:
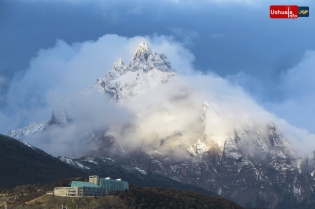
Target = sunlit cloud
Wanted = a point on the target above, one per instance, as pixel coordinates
(55, 76)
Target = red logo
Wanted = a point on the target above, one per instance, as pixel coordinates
(284, 11)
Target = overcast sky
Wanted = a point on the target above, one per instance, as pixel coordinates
(272, 59)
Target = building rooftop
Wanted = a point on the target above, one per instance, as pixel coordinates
(109, 179)
(83, 184)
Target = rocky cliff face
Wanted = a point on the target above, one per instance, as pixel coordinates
(252, 165)
(262, 173)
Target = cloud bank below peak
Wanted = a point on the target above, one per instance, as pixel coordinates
(56, 75)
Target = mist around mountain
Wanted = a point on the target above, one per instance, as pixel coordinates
(23, 164)
(200, 130)
(146, 103)
(27, 173)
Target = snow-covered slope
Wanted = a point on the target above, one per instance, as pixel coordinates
(146, 70)
(57, 118)
(30, 129)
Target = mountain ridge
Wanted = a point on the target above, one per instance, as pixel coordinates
(21, 163)
(252, 159)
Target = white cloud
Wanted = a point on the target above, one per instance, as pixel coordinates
(298, 91)
(92, 114)
(299, 81)
(59, 72)
(56, 74)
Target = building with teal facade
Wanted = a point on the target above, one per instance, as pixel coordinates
(87, 188)
(95, 187)
(113, 186)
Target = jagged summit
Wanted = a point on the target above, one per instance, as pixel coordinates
(146, 70)
(119, 66)
(142, 53)
(143, 60)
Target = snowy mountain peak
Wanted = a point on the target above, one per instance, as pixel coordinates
(146, 70)
(142, 53)
(146, 60)
(119, 66)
